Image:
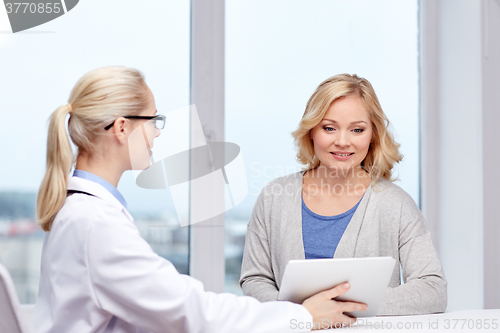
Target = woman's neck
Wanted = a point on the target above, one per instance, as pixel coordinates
(352, 180)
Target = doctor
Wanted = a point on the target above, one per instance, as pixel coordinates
(97, 273)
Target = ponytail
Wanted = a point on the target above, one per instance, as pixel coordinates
(52, 193)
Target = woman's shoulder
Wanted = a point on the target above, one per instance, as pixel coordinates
(284, 185)
(279, 192)
(388, 195)
(384, 188)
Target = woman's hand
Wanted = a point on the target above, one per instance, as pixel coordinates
(328, 313)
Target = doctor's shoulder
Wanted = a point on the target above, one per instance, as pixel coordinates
(81, 211)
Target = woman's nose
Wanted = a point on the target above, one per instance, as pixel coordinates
(342, 139)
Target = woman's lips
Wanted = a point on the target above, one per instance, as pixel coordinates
(342, 156)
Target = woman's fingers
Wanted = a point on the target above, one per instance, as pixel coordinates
(352, 306)
(336, 291)
(345, 306)
(325, 309)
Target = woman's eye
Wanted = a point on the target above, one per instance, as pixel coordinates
(328, 129)
(358, 130)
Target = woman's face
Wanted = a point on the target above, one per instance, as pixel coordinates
(142, 136)
(342, 138)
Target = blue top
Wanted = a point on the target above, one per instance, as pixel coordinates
(107, 185)
(322, 234)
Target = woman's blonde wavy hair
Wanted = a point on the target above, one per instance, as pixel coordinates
(98, 98)
(383, 152)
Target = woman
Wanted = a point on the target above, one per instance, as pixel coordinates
(344, 204)
(98, 274)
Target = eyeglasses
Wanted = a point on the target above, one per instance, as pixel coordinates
(158, 121)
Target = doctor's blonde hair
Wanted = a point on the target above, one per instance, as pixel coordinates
(98, 98)
(383, 152)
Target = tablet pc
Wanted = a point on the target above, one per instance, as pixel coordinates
(369, 278)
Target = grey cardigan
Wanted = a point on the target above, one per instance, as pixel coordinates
(387, 222)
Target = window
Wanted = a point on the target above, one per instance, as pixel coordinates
(40, 66)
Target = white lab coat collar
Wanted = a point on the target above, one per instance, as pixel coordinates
(85, 185)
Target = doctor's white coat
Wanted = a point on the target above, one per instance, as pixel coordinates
(99, 275)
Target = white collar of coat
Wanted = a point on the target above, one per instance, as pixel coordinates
(85, 185)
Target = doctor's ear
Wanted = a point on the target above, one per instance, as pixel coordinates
(120, 129)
